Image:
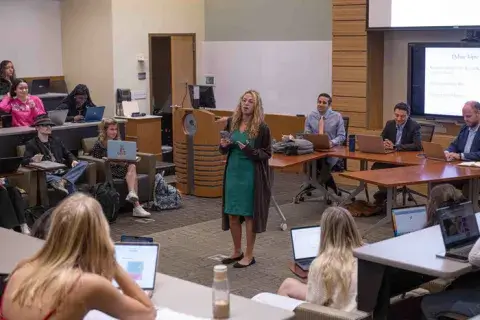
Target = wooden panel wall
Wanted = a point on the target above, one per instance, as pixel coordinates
(357, 66)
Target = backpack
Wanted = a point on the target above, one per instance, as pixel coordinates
(165, 196)
(109, 199)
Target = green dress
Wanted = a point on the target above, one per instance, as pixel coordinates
(239, 179)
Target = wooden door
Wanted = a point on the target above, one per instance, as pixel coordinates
(183, 68)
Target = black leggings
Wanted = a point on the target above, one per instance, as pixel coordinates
(12, 207)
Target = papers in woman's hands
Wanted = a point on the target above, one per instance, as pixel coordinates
(162, 314)
(469, 164)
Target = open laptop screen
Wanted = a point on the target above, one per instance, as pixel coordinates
(305, 242)
(458, 224)
(409, 219)
(140, 262)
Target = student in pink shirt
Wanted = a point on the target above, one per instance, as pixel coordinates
(23, 107)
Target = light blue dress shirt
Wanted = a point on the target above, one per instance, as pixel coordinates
(468, 145)
(334, 126)
(398, 140)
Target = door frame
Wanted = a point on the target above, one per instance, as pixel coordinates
(151, 36)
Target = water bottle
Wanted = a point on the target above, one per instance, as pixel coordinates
(351, 143)
(220, 293)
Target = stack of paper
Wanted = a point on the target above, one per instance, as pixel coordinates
(162, 314)
(470, 164)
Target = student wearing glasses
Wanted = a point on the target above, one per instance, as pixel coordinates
(400, 134)
(22, 106)
(77, 103)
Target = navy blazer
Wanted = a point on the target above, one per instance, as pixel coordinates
(458, 145)
(411, 135)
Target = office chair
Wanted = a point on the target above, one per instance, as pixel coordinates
(426, 131)
(6, 120)
(340, 166)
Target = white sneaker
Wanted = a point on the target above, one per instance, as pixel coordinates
(25, 229)
(132, 197)
(140, 212)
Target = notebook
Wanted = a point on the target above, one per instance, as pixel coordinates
(140, 261)
(409, 219)
(121, 150)
(305, 245)
(459, 228)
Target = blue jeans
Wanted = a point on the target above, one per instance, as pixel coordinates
(71, 176)
(463, 302)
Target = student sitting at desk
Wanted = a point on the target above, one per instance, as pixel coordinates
(440, 196)
(12, 208)
(324, 120)
(72, 273)
(7, 76)
(401, 134)
(23, 107)
(466, 145)
(77, 103)
(44, 147)
(332, 278)
(108, 129)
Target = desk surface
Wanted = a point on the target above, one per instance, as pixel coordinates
(415, 252)
(16, 247)
(146, 117)
(280, 161)
(400, 158)
(68, 125)
(410, 175)
(47, 95)
(196, 300)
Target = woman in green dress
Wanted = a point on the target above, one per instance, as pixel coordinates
(246, 187)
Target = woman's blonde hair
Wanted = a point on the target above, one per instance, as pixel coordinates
(441, 195)
(339, 236)
(78, 241)
(253, 126)
(102, 130)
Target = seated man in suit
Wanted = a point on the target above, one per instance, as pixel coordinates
(44, 147)
(324, 120)
(466, 145)
(401, 134)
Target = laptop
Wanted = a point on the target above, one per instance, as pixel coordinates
(434, 151)
(140, 261)
(94, 114)
(121, 150)
(408, 219)
(40, 86)
(305, 245)
(319, 141)
(10, 165)
(371, 144)
(459, 228)
(58, 116)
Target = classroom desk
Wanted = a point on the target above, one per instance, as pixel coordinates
(71, 135)
(414, 252)
(431, 172)
(173, 293)
(281, 161)
(196, 300)
(16, 247)
(401, 158)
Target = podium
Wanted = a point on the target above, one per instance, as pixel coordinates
(199, 166)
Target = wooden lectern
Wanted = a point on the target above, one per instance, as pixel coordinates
(199, 166)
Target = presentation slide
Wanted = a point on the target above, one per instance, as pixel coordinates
(452, 76)
(140, 262)
(306, 242)
(411, 13)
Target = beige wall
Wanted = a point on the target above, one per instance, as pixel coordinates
(396, 62)
(130, 36)
(87, 45)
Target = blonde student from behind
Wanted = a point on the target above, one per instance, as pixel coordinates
(332, 278)
(72, 273)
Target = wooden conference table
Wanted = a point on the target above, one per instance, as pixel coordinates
(170, 292)
(414, 253)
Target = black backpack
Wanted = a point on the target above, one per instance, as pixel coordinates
(109, 199)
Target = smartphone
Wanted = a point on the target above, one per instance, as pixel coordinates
(225, 135)
(125, 238)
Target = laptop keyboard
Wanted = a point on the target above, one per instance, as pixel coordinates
(463, 251)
